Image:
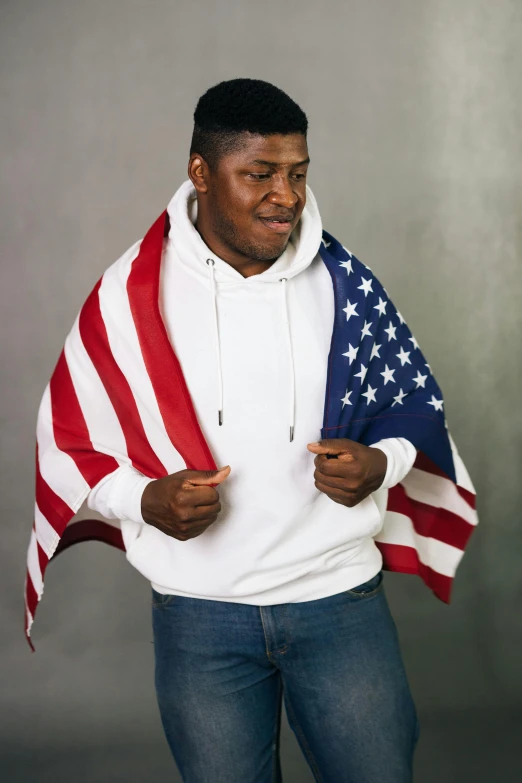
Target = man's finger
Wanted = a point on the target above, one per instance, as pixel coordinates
(192, 495)
(346, 498)
(331, 446)
(210, 477)
(335, 467)
(336, 483)
(205, 512)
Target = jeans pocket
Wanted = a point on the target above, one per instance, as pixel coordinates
(160, 600)
(367, 589)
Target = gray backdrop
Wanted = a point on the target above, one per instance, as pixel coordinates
(415, 114)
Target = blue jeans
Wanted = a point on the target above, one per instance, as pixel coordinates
(222, 669)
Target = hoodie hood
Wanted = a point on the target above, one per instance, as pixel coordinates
(193, 252)
(215, 273)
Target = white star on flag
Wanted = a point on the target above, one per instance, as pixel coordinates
(366, 329)
(362, 373)
(351, 353)
(390, 331)
(399, 316)
(381, 307)
(420, 380)
(346, 399)
(350, 309)
(437, 404)
(366, 286)
(375, 351)
(399, 398)
(388, 375)
(325, 243)
(347, 265)
(404, 356)
(414, 342)
(370, 395)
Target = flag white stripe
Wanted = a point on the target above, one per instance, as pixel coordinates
(117, 316)
(57, 468)
(30, 619)
(100, 417)
(439, 492)
(33, 565)
(398, 529)
(46, 535)
(462, 475)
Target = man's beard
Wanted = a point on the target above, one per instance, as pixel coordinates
(228, 234)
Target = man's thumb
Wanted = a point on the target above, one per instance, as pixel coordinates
(211, 477)
(331, 446)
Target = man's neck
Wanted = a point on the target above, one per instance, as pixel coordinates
(247, 267)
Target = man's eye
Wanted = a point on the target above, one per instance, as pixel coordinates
(259, 176)
(299, 176)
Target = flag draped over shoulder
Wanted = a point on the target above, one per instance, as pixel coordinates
(380, 386)
(118, 397)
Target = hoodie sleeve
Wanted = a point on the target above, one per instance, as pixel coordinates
(401, 454)
(118, 495)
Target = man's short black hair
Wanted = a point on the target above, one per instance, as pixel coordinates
(231, 108)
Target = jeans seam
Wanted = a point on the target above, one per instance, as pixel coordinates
(160, 604)
(305, 746)
(285, 627)
(277, 734)
(264, 634)
(366, 593)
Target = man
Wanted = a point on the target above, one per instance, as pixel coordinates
(235, 328)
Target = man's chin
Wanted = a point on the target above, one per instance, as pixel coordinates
(271, 252)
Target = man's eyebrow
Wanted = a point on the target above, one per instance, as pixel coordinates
(277, 165)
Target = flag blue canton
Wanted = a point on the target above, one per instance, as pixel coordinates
(379, 383)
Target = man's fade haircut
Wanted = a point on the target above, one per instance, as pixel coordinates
(231, 108)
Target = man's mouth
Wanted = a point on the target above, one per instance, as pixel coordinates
(281, 225)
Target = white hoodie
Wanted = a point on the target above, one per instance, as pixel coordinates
(256, 349)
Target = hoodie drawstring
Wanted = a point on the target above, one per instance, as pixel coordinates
(211, 263)
(284, 304)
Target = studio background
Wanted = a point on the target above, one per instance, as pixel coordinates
(415, 139)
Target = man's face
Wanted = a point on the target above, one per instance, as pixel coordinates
(256, 195)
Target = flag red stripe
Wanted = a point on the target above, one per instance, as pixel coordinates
(96, 342)
(26, 629)
(70, 430)
(42, 559)
(405, 560)
(163, 367)
(90, 530)
(430, 521)
(54, 509)
(422, 462)
(468, 496)
(30, 594)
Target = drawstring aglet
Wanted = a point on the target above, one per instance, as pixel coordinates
(291, 433)
(220, 417)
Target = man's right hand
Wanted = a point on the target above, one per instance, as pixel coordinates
(183, 504)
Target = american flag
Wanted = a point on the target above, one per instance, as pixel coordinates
(381, 386)
(118, 396)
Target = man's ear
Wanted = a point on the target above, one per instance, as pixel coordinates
(199, 172)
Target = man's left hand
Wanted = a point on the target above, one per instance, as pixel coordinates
(355, 473)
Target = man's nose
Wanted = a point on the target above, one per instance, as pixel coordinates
(282, 192)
